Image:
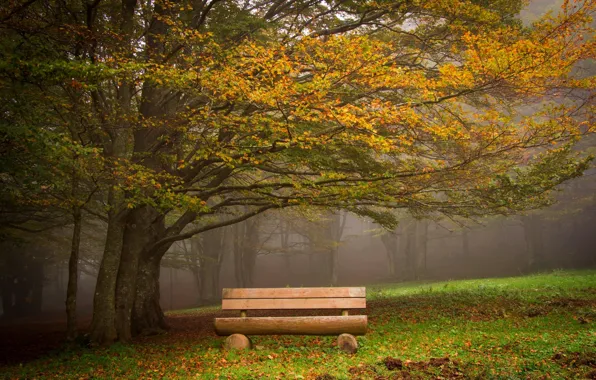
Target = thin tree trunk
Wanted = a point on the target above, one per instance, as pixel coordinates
(390, 242)
(465, 243)
(250, 250)
(334, 266)
(422, 231)
(337, 226)
(410, 249)
(71, 291)
(533, 235)
(195, 251)
(285, 244)
(238, 229)
(207, 282)
(215, 278)
(37, 287)
(398, 233)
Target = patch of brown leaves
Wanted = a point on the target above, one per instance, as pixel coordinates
(575, 359)
(448, 369)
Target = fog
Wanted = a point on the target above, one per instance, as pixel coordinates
(314, 248)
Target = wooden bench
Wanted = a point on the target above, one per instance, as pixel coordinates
(245, 299)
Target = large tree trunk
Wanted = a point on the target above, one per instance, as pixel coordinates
(138, 278)
(73, 275)
(143, 225)
(103, 327)
(148, 317)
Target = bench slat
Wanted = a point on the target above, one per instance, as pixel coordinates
(357, 292)
(325, 325)
(293, 303)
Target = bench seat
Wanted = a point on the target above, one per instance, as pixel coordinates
(246, 299)
(319, 325)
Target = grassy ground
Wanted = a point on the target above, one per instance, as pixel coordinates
(540, 326)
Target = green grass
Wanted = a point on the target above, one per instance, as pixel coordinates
(505, 328)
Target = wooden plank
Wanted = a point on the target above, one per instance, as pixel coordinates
(294, 292)
(325, 325)
(293, 303)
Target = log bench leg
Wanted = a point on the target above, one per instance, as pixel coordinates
(347, 343)
(237, 342)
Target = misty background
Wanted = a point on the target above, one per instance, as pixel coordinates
(316, 247)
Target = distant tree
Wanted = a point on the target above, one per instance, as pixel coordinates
(391, 242)
(50, 178)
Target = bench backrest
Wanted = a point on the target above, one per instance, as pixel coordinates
(293, 298)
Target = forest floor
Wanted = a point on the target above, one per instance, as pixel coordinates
(538, 326)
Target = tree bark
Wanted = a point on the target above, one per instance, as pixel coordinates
(103, 326)
(148, 317)
(140, 230)
(71, 290)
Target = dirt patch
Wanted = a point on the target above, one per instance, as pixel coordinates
(325, 377)
(536, 312)
(405, 375)
(575, 359)
(392, 363)
(364, 371)
(442, 367)
(571, 302)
